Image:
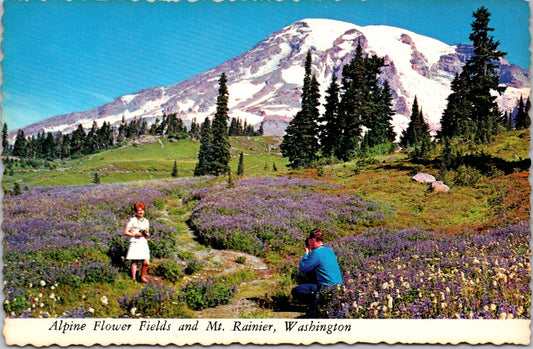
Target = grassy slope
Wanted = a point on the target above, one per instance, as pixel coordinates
(152, 159)
(387, 182)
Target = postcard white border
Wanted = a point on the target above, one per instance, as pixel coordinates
(63, 332)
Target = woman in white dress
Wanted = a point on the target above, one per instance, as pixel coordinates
(138, 251)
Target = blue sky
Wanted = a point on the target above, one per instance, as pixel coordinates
(66, 56)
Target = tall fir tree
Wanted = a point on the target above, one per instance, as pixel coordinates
(351, 106)
(300, 142)
(364, 102)
(205, 154)
(77, 140)
(417, 135)
(5, 139)
(329, 122)
(522, 119)
(240, 167)
(20, 146)
(221, 146)
(174, 172)
(483, 78)
(457, 116)
(379, 122)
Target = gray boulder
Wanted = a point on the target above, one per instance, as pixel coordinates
(424, 178)
(438, 187)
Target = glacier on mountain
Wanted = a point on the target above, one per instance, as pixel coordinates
(265, 82)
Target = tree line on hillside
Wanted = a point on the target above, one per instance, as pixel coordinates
(358, 111)
(58, 146)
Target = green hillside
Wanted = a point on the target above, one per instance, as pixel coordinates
(385, 179)
(150, 158)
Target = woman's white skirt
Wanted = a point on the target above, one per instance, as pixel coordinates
(138, 249)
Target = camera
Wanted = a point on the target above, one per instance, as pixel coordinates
(144, 233)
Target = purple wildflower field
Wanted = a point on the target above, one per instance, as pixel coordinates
(422, 275)
(60, 235)
(261, 214)
(388, 273)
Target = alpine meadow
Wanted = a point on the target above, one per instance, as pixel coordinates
(415, 166)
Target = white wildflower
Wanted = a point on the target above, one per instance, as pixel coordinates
(104, 300)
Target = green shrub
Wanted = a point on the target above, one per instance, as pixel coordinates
(170, 270)
(193, 266)
(154, 300)
(467, 176)
(118, 248)
(16, 304)
(185, 255)
(201, 294)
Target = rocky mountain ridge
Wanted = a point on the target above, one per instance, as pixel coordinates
(265, 82)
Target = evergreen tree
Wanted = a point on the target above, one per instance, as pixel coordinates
(410, 136)
(16, 189)
(482, 75)
(77, 140)
(235, 127)
(20, 146)
(231, 183)
(417, 135)
(522, 119)
(96, 177)
(49, 147)
(195, 129)
(66, 150)
(351, 105)
(90, 143)
(379, 124)
(5, 139)
(175, 170)
(300, 142)
(221, 147)
(457, 117)
(330, 127)
(363, 103)
(205, 153)
(240, 167)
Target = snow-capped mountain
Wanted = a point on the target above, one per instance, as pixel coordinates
(265, 82)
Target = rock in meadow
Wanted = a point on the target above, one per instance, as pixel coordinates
(424, 178)
(439, 187)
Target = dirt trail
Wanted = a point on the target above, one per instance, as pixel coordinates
(221, 262)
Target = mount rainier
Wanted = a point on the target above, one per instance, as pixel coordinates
(265, 82)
